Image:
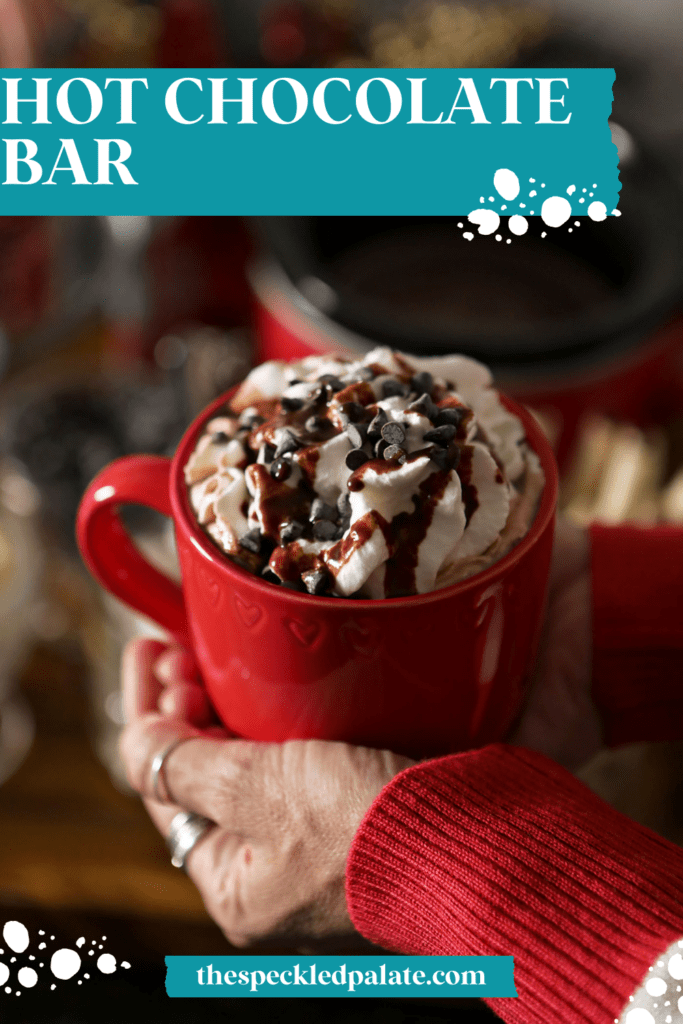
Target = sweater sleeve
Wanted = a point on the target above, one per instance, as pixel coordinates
(637, 581)
(502, 852)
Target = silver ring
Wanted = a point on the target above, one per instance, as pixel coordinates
(157, 769)
(186, 830)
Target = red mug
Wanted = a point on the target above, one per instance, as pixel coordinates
(423, 675)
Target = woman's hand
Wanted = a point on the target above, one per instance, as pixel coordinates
(285, 813)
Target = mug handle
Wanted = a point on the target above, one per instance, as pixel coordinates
(108, 550)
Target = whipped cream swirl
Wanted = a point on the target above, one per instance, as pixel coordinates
(382, 477)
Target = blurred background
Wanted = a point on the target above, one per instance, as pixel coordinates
(115, 332)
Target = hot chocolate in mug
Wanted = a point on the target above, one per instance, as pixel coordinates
(422, 675)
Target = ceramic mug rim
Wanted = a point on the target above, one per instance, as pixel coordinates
(185, 519)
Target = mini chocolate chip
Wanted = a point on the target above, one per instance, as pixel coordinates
(380, 448)
(375, 428)
(267, 453)
(252, 420)
(394, 451)
(353, 410)
(344, 505)
(291, 404)
(316, 581)
(393, 433)
(314, 423)
(356, 458)
(323, 529)
(321, 510)
(452, 416)
(252, 541)
(280, 470)
(290, 531)
(441, 435)
(291, 383)
(357, 433)
(331, 381)
(220, 437)
(293, 585)
(442, 457)
(289, 443)
(423, 382)
(426, 407)
(270, 577)
(394, 388)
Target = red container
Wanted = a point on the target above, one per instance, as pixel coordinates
(640, 383)
(421, 675)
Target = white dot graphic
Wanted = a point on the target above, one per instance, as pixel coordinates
(80, 942)
(41, 945)
(486, 220)
(556, 211)
(544, 234)
(597, 211)
(676, 966)
(506, 184)
(518, 225)
(4, 973)
(27, 977)
(582, 200)
(15, 935)
(8, 990)
(504, 206)
(571, 190)
(680, 1005)
(460, 225)
(53, 987)
(522, 206)
(468, 235)
(106, 963)
(639, 1016)
(499, 238)
(125, 964)
(533, 193)
(65, 963)
(655, 987)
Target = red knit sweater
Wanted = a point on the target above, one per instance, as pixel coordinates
(501, 851)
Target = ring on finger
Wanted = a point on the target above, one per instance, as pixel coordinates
(185, 832)
(157, 773)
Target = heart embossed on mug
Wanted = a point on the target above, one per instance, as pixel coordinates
(305, 632)
(210, 587)
(250, 614)
(362, 635)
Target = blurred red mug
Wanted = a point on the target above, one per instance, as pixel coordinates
(423, 675)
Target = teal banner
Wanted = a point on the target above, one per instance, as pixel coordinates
(494, 143)
(291, 977)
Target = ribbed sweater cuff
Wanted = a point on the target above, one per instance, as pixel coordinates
(637, 581)
(502, 852)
